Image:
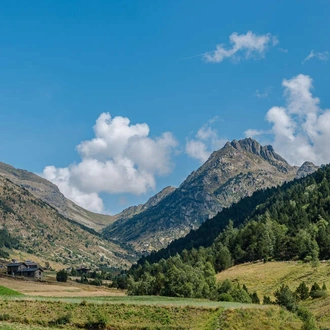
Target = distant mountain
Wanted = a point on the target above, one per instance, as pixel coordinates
(48, 192)
(288, 222)
(45, 233)
(231, 173)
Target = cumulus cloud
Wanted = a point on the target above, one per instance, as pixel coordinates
(206, 140)
(301, 128)
(121, 158)
(322, 56)
(242, 45)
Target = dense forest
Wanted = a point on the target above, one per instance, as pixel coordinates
(290, 222)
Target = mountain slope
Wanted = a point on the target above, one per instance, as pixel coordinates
(43, 232)
(297, 208)
(231, 173)
(49, 193)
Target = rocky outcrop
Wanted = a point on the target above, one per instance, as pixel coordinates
(231, 173)
(305, 169)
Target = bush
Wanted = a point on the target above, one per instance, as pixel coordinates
(267, 300)
(62, 276)
(225, 297)
(308, 318)
(302, 291)
(254, 297)
(240, 295)
(319, 294)
(285, 297)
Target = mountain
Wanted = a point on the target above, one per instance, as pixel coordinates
(42, 231)
(231, 173)
(152, 201)
(49, 193)
(288, 222)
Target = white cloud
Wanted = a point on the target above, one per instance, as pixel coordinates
(322, 56)
(245, 45)
(264, 94)
(122, 158)
(206, 140)
(252, 133)
(301, 129)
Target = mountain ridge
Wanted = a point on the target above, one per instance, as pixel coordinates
(231, 173)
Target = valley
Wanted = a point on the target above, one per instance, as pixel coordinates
(258, 207)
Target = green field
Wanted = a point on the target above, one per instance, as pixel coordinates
(6, 292)
(124, 313)
(266, 278)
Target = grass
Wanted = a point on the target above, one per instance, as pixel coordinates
(266, 278)
(128, 316)
(4, 291)
(272, 317)
(117, 316)
(17, 326)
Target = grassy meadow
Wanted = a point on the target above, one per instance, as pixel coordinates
(266, 278)
(30, 312)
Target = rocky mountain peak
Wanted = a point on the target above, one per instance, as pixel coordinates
(231, 173)
(305, 169)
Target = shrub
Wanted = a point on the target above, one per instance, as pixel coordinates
(254, 298)
(225, 297)
(266, 300)
(302, 291)
(319, 294)
(285, 297)
(62, 276)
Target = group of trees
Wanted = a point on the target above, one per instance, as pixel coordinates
(290, 223)
(6, 240)
(301, 207)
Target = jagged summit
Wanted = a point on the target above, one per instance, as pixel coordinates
(253, 146)
(305, 169)
(231, 173)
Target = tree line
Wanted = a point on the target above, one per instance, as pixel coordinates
(290, 222)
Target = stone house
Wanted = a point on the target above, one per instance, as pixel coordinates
(26, 269)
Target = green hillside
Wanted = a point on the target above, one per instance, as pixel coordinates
(285, 223)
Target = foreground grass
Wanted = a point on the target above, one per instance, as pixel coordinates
(29, 314)
(272, 317)
(17, 326)
(117, 316)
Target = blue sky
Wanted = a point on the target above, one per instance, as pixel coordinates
(65, 65)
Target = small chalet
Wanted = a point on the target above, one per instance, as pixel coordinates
(83, 270)
(27, 269)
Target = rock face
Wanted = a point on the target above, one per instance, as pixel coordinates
(154, 200)
(49, 193)
(231, 173)
(305, 169)
(44, 233)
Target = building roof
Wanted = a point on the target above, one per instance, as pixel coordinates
(16, 264)
(29, 270)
